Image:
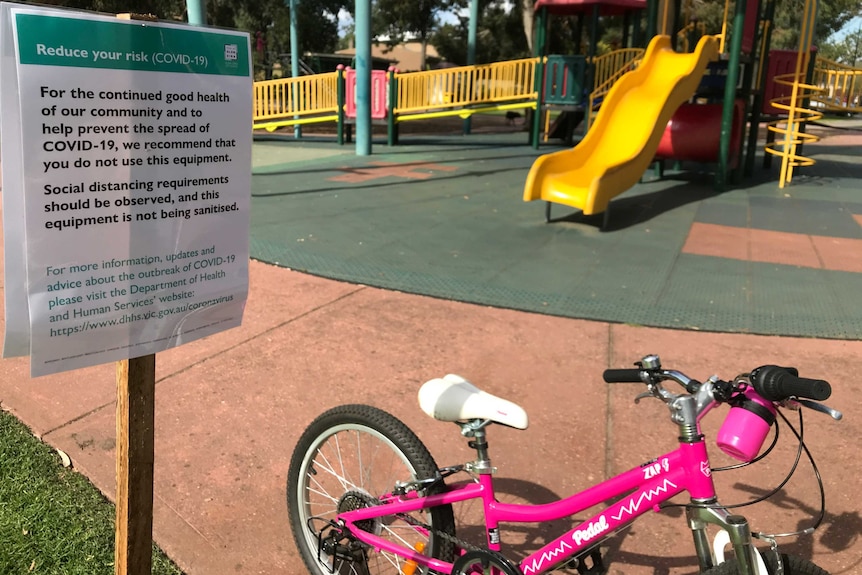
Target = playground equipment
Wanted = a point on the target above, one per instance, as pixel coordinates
(569, 77)
(298, 101)
(573, 85)
(461, 91)
(396, 97)
(563, 91)
(791, 129)
(692, 133)
(621, 144)
(739, 90)
(841, 87)
(607, 69)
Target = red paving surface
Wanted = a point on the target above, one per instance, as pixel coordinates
(230, 408)
(821, 252)
(377, 170)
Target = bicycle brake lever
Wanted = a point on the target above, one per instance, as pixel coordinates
(644, 395)
(833, 413)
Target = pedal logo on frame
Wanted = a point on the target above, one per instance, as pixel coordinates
(593, 530)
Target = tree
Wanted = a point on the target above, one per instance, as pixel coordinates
(268, 22)
(832, 15)
(845, 50)
(499, 36)
(528, 20)
(401, 19)
(162, 9)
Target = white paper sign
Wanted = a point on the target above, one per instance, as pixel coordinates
(134, 175)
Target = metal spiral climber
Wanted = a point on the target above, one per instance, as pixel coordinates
(790, 130)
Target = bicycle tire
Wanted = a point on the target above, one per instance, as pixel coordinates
(793, 565)
(341, 442)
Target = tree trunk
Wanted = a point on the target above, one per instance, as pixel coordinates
(423, 54)
(527, 14)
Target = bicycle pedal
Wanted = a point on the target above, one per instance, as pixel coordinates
(596, 566)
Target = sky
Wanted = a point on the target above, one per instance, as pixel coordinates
(851, 26)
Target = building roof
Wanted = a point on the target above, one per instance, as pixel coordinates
(407, 56)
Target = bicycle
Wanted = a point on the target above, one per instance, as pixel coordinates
(365, 496)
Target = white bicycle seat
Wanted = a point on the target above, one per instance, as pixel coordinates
(453, 398)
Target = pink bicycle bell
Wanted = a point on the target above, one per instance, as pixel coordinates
(746, 426)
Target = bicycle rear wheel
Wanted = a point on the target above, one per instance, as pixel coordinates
(347, 458)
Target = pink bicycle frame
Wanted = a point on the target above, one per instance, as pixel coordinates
(640, 489)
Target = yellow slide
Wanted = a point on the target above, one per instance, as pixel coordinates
(625, 135)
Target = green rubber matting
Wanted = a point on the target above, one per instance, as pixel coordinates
(444, 217)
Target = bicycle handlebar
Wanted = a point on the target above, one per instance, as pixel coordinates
(622, 376)
(771, 382)
(775, 383)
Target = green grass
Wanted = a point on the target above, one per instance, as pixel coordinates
(52, 520)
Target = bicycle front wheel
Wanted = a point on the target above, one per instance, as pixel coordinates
(792, 566)
(346, 459)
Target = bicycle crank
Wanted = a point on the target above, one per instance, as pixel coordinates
(485, 562)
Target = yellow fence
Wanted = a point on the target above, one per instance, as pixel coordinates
(499, 86)
(840, 85)
(460, 91)
(608, 69)
(300, 100)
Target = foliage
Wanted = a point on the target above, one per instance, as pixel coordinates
(505, 27)
(499, 36)
(399, 20)
(832, 15)
(268, 22)
(52, 520)
(163, 9)
(845, 50)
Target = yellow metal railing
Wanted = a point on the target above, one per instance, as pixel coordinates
(683, 44)
(494, 84)
(296, 100)
(791, 129)
(607, 70)
(841, 86)
(613, 64)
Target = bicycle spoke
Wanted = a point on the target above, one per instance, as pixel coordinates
(340, 458)
(345, 482)
(393, 531)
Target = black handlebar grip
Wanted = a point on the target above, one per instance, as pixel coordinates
(622, 376)
(775, 383)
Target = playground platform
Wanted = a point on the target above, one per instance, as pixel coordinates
(734, 275)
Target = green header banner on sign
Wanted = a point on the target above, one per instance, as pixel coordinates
(129, 45)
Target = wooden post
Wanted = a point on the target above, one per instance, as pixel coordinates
(136, 391)
(136, 409)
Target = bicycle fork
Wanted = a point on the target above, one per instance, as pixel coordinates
(738, 532)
